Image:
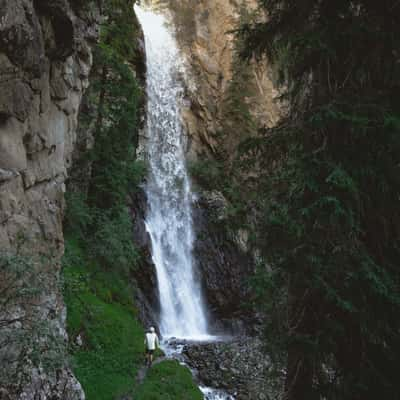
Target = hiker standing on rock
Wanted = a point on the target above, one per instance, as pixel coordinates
(152, 343)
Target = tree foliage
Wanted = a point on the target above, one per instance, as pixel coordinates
(99, 216)
(330, 216)
(100, 254)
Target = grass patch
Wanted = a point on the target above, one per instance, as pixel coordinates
(113, 351)
(101, 310)
(168, 381)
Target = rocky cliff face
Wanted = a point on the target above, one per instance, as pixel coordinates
(225, 266)
(229, 100)
(222, 86)
(45, 59)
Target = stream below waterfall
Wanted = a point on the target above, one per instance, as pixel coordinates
(183, 313)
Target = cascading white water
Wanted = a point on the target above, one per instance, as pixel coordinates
(169, 216)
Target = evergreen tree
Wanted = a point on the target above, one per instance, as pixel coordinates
(331, 217)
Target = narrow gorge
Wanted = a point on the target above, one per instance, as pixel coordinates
(225, 171)
(132, 96)
(183, 318)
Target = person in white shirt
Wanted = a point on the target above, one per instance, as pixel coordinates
(152, 343)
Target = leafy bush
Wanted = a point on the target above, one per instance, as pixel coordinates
(207, 173)
(112, 242)
(102, 312)
(79, 215)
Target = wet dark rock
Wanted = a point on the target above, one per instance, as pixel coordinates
(238, 366)
(138, 203)
(224, 267)
(145, 274)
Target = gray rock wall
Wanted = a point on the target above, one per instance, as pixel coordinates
(225, 267)
(238, 366)
(45, 60)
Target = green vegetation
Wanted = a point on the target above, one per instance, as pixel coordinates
(100, 256)
(97, 212)
(216, 175)
(208, 174)
(185, 25)
(101, 311)
(168, 381)
(329, 215)
(24, 333)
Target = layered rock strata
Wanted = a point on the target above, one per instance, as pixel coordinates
(45, 59)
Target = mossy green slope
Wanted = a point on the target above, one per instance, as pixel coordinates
(101, 310)
(168, 381)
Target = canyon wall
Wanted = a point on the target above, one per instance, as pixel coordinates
(228, 101)
(45, 59)
(221, 84)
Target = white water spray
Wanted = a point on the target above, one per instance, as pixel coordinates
(169, 216)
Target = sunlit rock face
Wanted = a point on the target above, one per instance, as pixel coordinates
(204, 30)
(45, 59)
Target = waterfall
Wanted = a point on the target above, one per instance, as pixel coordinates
(169, 215)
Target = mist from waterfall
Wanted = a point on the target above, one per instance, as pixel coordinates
(169, 215)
